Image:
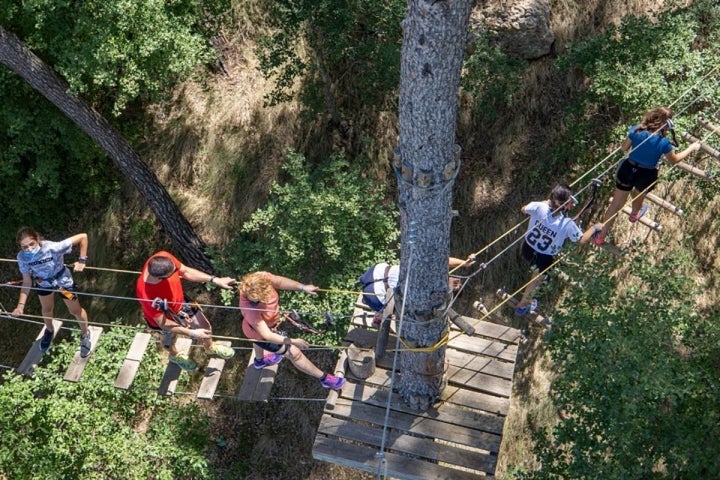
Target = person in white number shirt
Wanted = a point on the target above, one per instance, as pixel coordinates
(547, 231)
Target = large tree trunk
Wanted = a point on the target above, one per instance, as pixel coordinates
(427, 160)
(42, 78)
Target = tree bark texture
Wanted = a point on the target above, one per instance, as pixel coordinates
(426, 162)
(16, 56)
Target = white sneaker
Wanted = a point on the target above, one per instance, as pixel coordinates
(643, 210)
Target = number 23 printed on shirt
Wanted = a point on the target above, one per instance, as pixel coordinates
(538, 240)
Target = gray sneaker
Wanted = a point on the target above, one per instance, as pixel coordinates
(46, 340)
(85, 346)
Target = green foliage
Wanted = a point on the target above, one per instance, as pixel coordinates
(356, 42)
(323, 226)
(637, 385)
(491, 77)
(53, 429)
(113, 54)
(637, 65)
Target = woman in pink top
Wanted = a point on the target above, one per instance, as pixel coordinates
(259, 304)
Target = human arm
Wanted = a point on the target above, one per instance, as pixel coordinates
(454, 262)
(82, 240)
(194, 275)
(173, 327)
(283, 283)
(24, 292)
(626, 146)
(674, 157)
(272, 337)
(588, 234)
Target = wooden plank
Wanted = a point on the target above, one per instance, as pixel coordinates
(257, 383)
(34, 355)
(396, 442)
(664, 204)
(168, 384)
(480, 364)
(417, 425)
(495, 331)
(476, 400)
(627, 210)
(704, 146)
(446, 413)
(391, 465)
(213, 371)
(132, 360)
(481, 346)
(77, 365)
(694, 170)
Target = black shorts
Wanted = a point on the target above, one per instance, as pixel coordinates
(536, 259)
(44, 291)
(631, 175)
(273, 347)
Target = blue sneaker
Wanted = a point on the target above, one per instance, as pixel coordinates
(331, 381)
(85, 346)
(46, 340)
(530, 307)
(268, 360)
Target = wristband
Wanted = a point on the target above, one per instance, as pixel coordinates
(192, 335)
(302, 287)
(82, 259)
(212, 279)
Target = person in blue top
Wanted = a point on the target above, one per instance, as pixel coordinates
(41, 264)
(645, 144)
(547, 231)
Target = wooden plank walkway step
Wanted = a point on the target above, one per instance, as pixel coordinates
(212, 375)
(132, 360)
(664, 204)
(168, 384)
(704, 146)
(534, 316)
(77, 366)
(458, 438)
(34, 355)
(694, 170)
(257, 384)
(644, 220)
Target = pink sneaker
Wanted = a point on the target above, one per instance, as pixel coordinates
(268, 360)
(643, 210)
(331, 381)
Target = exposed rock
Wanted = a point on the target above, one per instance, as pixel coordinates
(521, 28)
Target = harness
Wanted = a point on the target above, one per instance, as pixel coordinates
(384, 279)
(53, 279)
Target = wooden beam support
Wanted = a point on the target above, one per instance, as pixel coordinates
(703, 146)
(665, 204)
(694, 170)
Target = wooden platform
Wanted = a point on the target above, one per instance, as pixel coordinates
(459, 438)
(257, 384)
